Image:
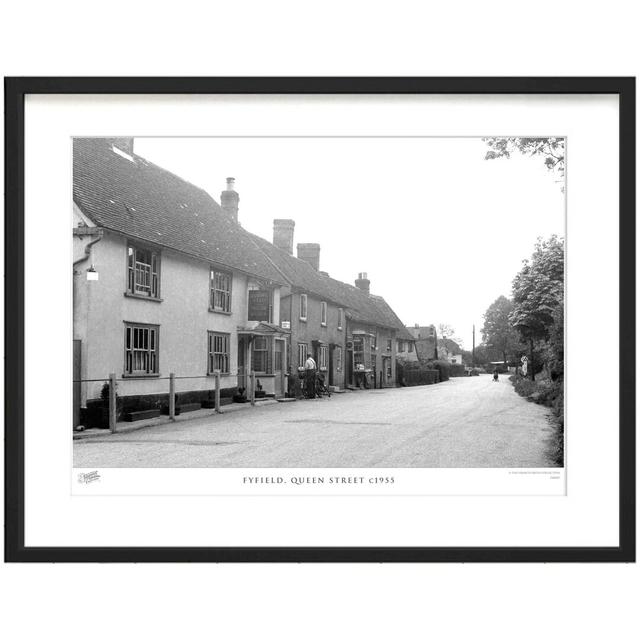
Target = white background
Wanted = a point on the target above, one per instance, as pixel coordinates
(315, 601)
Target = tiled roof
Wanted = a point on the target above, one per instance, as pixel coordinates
(301, 275)
(392, 318)
(141, 200)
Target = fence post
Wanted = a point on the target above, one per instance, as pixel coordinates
(253, 388)
(217, 378)
(112, 402)
(172, 396)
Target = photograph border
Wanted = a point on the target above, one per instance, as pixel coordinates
(15, 91)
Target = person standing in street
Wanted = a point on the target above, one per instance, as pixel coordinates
(310, 377)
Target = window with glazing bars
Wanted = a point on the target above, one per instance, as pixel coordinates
(218, 349)
(220, 291)
(302, 354)
(323, 357)
(140, 349)
(143, 272)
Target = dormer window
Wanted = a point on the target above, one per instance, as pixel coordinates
(303, 307)
(323, 314)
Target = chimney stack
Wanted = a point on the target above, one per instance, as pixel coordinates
(362, 282)
(283, 234)
(310, 252)
(229, 199)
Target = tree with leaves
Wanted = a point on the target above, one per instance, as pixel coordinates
(497, 332)
(538, 293)
(551, 150)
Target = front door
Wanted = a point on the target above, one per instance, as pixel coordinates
(242, 360)
(278, 367)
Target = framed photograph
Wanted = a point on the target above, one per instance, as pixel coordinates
(320, 319)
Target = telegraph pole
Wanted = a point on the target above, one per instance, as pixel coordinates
(473, 348)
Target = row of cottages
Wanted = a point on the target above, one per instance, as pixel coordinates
(165, 280)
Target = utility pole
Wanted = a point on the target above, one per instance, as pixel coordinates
(473, 348)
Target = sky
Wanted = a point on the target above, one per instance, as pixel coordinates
(440, 231)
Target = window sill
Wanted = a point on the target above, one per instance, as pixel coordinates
(140, 375)
(323, 324)
(303, 319)
(224, 313)
(223, 374)
(138, 296)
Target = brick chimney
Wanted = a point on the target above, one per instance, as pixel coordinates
(283, 234)
(124, 144)
(310, 252)
(229, 199)
(362, 282)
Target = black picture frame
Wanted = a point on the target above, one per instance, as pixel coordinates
(15, 91)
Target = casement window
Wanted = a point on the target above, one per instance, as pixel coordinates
(400, 346)
(141, 349)
(260, 351)
(220, 291)
(218, 352)
(340, 318)
(302, 354)
(323, 314)
(338, 353)
(143, 272)
(303, 307)
(323, 357)
(410, 347)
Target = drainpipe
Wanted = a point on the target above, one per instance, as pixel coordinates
(87, 231)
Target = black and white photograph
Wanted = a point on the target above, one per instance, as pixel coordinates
(321, 302)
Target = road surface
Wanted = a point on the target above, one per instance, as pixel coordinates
(465, 422)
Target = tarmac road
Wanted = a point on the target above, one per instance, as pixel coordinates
(465, 422)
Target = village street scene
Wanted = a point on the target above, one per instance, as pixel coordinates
(199, 343)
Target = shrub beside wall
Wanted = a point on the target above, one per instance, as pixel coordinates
(443, 367)
(457, 370)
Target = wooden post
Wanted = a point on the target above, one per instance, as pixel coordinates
(172, 396)
(253, 388)
(217, 390)
(112, 402)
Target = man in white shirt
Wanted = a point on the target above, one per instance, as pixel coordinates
(310, 377)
